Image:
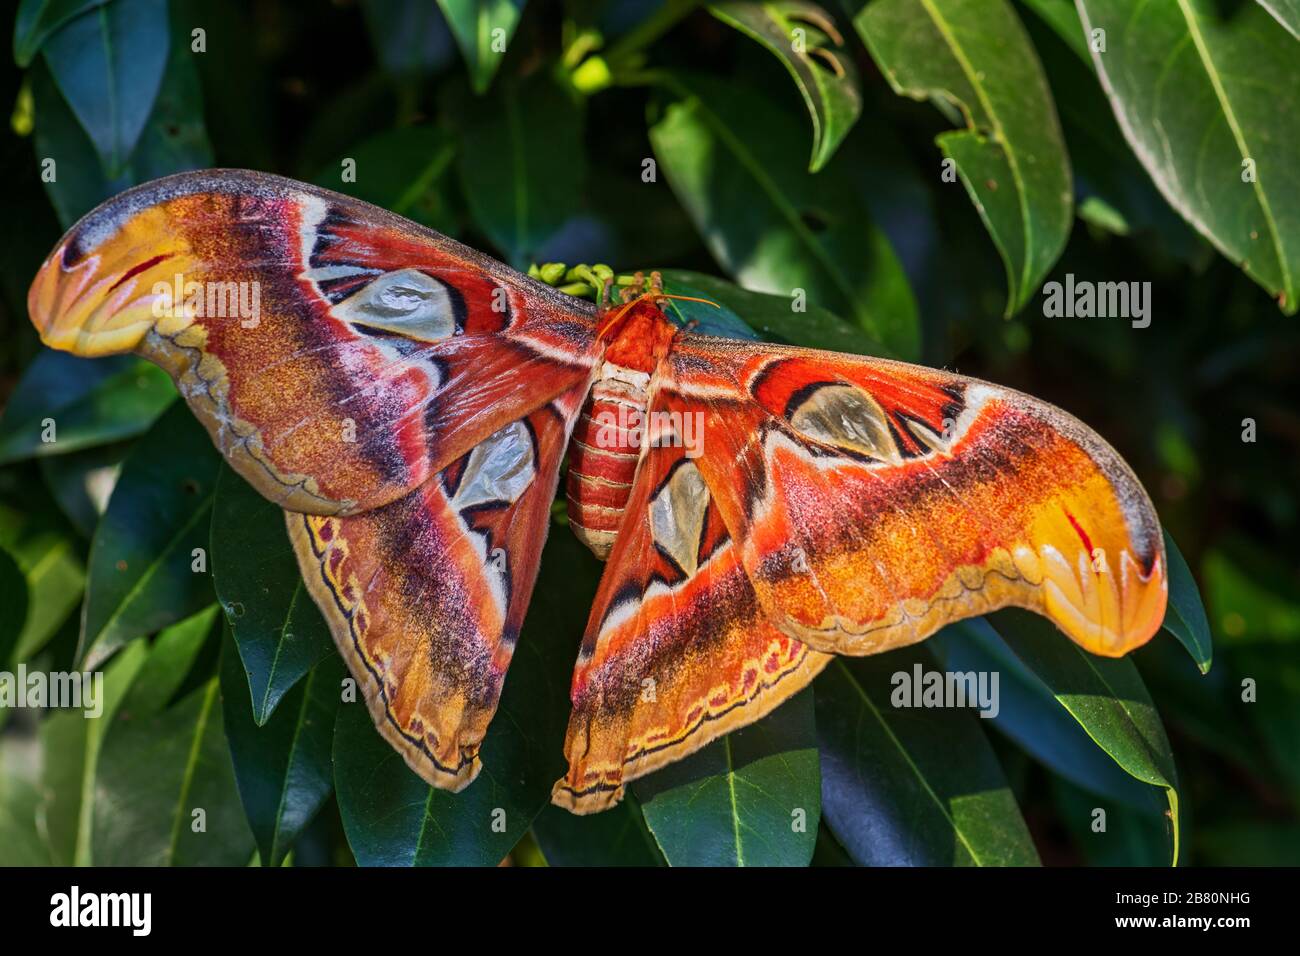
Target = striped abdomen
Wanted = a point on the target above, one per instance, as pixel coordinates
(603, 455)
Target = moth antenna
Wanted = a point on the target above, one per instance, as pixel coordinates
(619, 314)
(685, 298)
(627, 304)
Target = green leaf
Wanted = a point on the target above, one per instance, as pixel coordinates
(1185, 616)
(1011, 157)
(393, 818)
(1285, 12)
(770, 316)
(1204, 707)
(734, 161)
(58, 136)
(705, 319)
(46, 552)
(1112, 190)
(109, 64)
(1063, 19)
(141, 559)
(829, 852)
(37, 19)
(83, 481)
(239, 91)
(483, 29)
(1196, 94)
(1130, 837)
(174, 139)
(283, 768)
(1105, 695)
(165, 791)
(804, 38)
(911, 786)
(175, 653)
(13, 599)
(278, 629)
(1029, 713)
(21, 841)
(521, 165)
(402, 170)
(89, 401)
(615, 837)
(636, 224)
(752, 798)
(71, 742)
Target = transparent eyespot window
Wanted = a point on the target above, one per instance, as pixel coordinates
(844, 416)
(407, 302)
(677, 516)
(499, 470)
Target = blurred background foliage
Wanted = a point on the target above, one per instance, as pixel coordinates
(751, 150)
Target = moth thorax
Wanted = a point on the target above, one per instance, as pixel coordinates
(603, 455)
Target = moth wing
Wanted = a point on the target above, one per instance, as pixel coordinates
(793, 503)
(425, 596)
(677, 651)
(406, 399)
(338, 354)
(873, 502)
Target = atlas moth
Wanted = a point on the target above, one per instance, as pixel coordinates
(833, 504)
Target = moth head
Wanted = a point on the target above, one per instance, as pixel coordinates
(642, 309)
